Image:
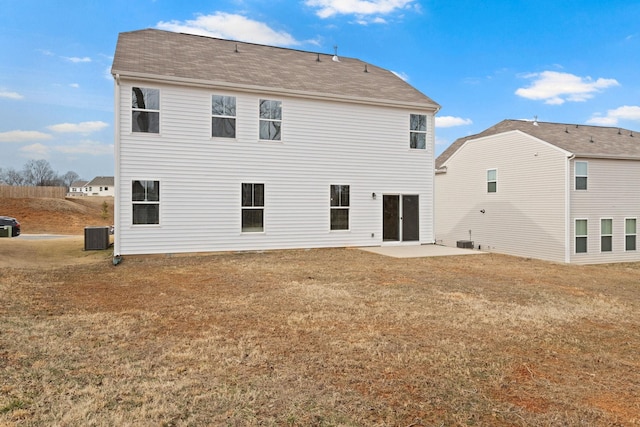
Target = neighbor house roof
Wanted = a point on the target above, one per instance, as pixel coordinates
(78, 184)
(191, 59)
(579, 140)
(101, 181)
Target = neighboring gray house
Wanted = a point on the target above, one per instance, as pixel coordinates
(558, 192)
(226, 145)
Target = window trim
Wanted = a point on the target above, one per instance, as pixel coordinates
(581, 236)
(339, 206)
(576, 176)
(252, 207)
(146, 110)
(494, 181)
(634, 234)
(610, 235)
(418, 131)
(147, 202)
(265, 119)
(223, 116)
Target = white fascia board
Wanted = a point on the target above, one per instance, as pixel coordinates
(211, 84)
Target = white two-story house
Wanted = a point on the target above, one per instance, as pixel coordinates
(560, 192)
(224, 145)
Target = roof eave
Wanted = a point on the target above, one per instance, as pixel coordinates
(212, 84)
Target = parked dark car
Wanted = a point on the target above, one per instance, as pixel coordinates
(7, 220)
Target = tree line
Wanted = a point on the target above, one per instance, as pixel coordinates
(37, 173)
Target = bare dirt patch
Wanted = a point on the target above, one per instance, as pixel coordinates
(59, 216)
(331, 337)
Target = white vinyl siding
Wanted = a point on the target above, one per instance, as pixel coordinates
(365, 146)
(612, 193)
(525, 217)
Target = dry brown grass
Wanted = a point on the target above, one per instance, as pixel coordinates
(333, 337)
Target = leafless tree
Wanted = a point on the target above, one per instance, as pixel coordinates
(12, 177)
(39, 173)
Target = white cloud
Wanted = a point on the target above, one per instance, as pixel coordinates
(11, 95)
(23, 136)
(83, 127)
(35, 151)
(450, 121)
(77, 60)
(556, 88)
(329, 8)
(231, 26)
(94, 148)
(74, 85)
(626, 112)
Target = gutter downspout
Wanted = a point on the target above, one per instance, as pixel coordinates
(433, 179)
(116, 200)
(567, 210)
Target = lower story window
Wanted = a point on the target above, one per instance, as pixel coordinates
(339, 207)
(581, 236)
(252, 207)
(630, 234)
(606, 235)
(145, 197)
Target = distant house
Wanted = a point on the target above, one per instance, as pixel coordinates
(558, 192)
(98, 186)
(226, 145)
(77, 188)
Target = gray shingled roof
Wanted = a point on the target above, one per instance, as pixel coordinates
(101, 181)
(581, 140)
(226, 63)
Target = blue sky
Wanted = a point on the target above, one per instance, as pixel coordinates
(484, 61)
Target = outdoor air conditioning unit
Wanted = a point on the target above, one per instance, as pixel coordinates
(465, 244)
(6, 231)
(96, 238)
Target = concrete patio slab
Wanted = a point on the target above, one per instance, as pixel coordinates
(418, 251)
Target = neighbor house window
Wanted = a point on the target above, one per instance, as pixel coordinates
(252, 207)
(145, 196)
(418, 131)
(581, 236)
(581, 175)
(339, 207)
(270, 119)
(606, 235)
(223, 116)
(630, 234)
(145, 107)
(492, 180)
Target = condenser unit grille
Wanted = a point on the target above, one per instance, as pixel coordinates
(96, 238)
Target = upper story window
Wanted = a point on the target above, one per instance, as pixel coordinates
(270, 119)
(145, 196)
(492, 180)
(223, 116)
(606, 235)
(418, 131)
(339, 207)
(581, 173)
(252, 207)
(145, 108)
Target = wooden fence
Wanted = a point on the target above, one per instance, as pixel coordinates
(16, 192)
